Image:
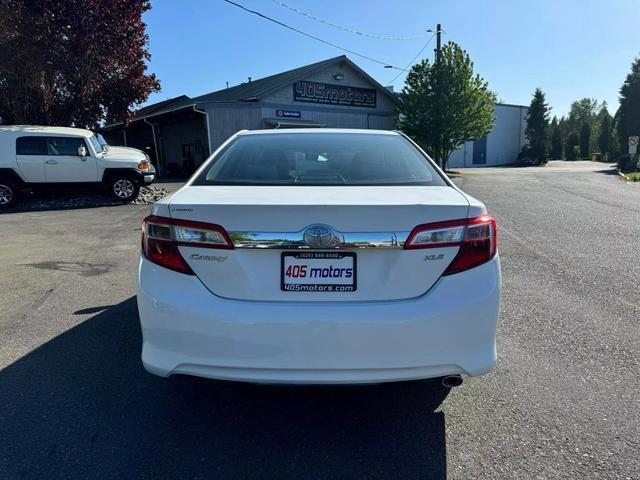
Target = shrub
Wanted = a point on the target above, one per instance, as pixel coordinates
(528, 157)
(576, 152)
(626, 163)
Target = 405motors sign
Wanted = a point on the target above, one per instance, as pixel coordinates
(314, 92)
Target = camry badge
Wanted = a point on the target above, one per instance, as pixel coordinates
(210, 258)
(320, 236)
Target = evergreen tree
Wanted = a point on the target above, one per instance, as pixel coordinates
(595, 127)
(585, 138)
(615, 144)
(565, 130)
(536, 131)
(555, 152)
(604, 139)
(569, 150)
(628, 115)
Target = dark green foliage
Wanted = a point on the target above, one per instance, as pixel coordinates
(628, 115)
(535, 151)
(444, 107)
(569, 150)
(585, 110)
(626, 163)
(604, 139)
(585, 138)
(555, 151)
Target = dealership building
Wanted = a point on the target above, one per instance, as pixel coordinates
(181, 132)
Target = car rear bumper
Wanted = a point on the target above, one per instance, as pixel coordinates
(449, 330)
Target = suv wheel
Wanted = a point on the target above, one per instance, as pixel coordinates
(124, 189)
(8, 194)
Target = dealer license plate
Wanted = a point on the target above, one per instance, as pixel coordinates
(318, 272)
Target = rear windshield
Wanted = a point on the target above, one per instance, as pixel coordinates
(320, 159)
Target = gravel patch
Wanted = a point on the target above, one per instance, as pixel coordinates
(150, 195)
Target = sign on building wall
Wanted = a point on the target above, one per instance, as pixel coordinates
(288, 113)
(326, 93)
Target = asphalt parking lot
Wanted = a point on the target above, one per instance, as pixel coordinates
(563, 402)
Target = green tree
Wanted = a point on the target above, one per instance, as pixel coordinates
(555, 151)
(445, 105)
(604, 139)
(73, 62)
(628, 114)
(569, 150)
(619, 137)
(581, 111)
(615, 143)
(536, 130)
(585, 138)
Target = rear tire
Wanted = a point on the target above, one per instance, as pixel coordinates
(8, 194)
(124, 188)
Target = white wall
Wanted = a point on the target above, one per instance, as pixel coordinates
(504, 142)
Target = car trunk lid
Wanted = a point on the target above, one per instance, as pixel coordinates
(386, 214)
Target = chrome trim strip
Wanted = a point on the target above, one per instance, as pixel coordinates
(295, 240)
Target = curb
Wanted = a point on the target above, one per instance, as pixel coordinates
(628, 180)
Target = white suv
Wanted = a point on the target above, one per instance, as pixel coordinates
(319, 256)
(38, 157)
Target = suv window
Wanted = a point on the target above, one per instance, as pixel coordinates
(30, 145)
(320, 159)
(65, 145)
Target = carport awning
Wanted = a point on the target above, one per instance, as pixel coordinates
(292, 123)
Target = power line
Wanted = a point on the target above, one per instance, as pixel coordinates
(387, 65)
(347, 29)
(412, 60)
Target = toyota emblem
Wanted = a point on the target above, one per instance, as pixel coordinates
(320, 236)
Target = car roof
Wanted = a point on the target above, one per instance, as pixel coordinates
(45, 130)
(279, 131)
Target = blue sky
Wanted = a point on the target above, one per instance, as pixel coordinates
(570, 48)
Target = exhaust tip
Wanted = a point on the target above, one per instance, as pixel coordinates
(451, 381)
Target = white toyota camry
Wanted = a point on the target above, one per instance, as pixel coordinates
(319, 256)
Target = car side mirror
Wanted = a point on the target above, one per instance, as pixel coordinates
(82, 151)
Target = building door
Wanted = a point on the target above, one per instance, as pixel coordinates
(188, 158)
(480, 151)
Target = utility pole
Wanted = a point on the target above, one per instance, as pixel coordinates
(436, 146)
(438, 43)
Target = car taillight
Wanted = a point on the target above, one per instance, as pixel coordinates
(161, 237)
(476, 238)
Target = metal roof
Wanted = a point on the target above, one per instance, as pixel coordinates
(256, 88)
(249, 91)
(155, 107)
